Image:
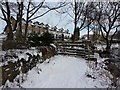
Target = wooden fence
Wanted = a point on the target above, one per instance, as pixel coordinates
(75, 49)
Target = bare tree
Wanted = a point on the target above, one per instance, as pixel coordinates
(7, 17)
(19, 35)
(89, 17)
(12, 9)
(78, 8)
(33, 8)
(80, 14)
(30, 9)
(108, 20)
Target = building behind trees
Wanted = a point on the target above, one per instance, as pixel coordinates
(40, 28)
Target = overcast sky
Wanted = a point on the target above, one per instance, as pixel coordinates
(53, 19)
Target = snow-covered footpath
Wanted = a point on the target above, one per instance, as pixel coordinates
(63, 72)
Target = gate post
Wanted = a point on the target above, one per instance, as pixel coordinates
(1, 72)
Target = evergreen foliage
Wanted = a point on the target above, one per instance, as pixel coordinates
(40, 40)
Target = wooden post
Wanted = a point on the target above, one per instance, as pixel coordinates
(1, 74)
(87, 43)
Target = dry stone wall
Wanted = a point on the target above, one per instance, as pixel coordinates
(14, 64)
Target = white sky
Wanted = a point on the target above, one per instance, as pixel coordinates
(53, 19)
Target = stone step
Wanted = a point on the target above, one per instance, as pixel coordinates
(70, 51)
(67, 53)
(76, 49)
(72, 45)
(68, 42)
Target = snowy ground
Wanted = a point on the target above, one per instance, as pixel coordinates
(102, 47)
(64, 72)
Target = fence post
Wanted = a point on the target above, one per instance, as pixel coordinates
(1, 75)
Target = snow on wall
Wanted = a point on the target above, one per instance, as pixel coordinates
(14, 61)
(64, 72)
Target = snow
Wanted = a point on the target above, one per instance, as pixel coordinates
(99, 59)
(2, 36)
(115, 45)
(53, 45)
(102, 47)
(64, 72)
(20, 53)
(2, 53)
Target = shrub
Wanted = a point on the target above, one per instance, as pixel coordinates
(34, 39)
(40, 40)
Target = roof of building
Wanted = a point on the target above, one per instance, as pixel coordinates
(41, 23)
(36, 22)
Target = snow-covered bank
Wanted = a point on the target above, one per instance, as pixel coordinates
(64, 72)
(15, 55)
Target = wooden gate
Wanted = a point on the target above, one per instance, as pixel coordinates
(80, 48)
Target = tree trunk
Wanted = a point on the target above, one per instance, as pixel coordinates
(75, 21)
(19, 32)
(108, 46)
(21, 13)
(88, 37)
(26, 30)
(10, 33)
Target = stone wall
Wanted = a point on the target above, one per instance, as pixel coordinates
(47, 51)
(12, 69)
